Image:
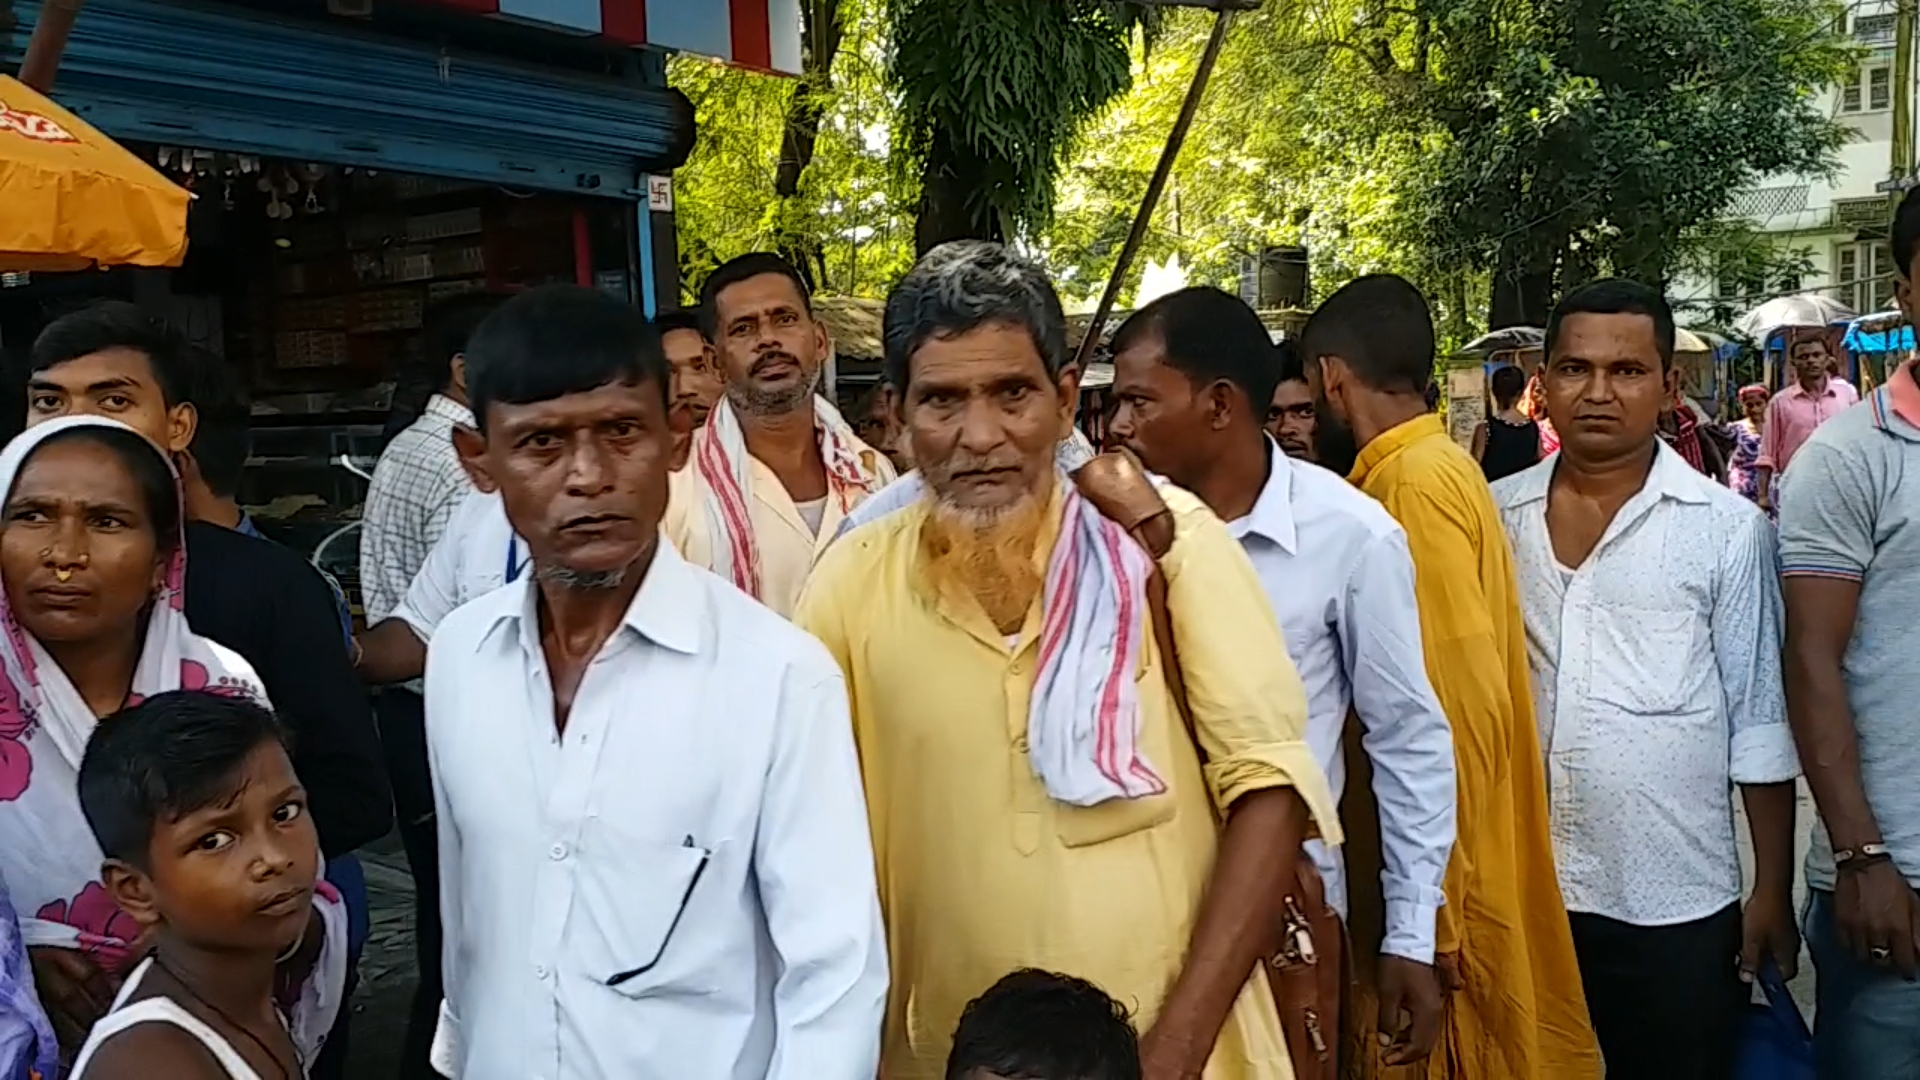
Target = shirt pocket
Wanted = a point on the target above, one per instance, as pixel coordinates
(1084, 826)
(633, 916)
(1639, 659)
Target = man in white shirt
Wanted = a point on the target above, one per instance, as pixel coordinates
(1651, 598)
(653, 837)
(414, 490)
(1191, 373)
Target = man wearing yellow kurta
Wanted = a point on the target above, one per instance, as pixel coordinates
(775, 468)
(1517, 1011)
(998, 845)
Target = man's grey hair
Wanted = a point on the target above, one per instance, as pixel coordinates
(961, 286)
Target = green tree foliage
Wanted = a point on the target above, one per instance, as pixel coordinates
(797, 165)
(1493, 150)
(991, 93)
(1580, 137)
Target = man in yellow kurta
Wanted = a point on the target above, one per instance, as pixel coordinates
(1516, 1011)
(775, 467)
(1022, 819)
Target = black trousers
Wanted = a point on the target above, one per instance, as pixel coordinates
(1667, 1001)
(403, 734)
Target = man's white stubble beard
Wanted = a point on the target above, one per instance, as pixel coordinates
(581, 580)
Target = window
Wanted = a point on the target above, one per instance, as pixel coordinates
(1863, 275)
(1873, 29)
(1870, 91)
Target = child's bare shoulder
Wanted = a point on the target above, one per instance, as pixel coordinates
(153, 1048)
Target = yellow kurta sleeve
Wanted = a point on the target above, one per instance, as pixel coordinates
(1249, 706)
(1467, 669)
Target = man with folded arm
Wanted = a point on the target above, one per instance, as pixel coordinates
(1191, 371)
(1036, 799)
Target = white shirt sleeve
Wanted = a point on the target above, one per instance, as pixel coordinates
(435, 591)
(1406, 736)
(1746, 622)
(813, 861)
(446, 1052)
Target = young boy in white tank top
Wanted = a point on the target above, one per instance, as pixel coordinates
(210, 849)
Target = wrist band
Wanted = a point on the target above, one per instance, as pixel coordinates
(1864, 851)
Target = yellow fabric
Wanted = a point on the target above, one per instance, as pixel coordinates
(980, 872)
(1521, 1013)
(70, 197)
(787, 547)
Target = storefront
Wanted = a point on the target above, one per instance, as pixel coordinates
(355, 162)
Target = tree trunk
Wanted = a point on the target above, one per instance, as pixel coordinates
(947, 184)
(821, 32)
(1522, 286)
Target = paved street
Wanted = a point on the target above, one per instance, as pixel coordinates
(387, 971)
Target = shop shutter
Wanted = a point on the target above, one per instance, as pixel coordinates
(219, 78)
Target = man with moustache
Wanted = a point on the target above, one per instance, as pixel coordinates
(760, 487)
(1517, 1010)
(775, 467)
(1290, 417)
(683, 888)
(1189, 369)
(1794, 414)
(1652, 607)
(1035, 797)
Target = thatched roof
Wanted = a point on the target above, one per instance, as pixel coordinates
(854, 324)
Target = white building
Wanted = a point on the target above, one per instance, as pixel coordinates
(1839, 225)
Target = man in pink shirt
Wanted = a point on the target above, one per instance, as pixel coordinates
(1794, 413)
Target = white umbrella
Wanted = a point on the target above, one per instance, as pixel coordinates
(1800, 309)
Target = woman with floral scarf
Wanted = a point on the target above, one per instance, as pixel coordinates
(90, 622)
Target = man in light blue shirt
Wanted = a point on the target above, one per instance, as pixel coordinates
(1194, 373)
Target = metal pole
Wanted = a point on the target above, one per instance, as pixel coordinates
(1903, 91)
(1161, 171)
(49, 41)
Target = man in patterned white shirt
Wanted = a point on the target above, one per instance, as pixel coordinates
(416, 486)
(1653, 618)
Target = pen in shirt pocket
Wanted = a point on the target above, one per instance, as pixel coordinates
(693, 882)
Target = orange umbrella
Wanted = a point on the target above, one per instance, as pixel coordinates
(71, 198)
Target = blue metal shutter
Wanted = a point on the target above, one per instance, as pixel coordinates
(227, 79)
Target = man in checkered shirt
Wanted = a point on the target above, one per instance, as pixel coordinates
(415, 488)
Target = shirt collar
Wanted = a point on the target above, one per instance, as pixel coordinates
(670, 608)
(1272, 513)
(1794, 389)
(1904, 394)
(1670, 478)
(1392, 441)
(446, 408)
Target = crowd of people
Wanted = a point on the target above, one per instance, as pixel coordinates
(725, 743)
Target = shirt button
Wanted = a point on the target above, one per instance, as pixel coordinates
(540, 971)
(1020, 743)
(558, 851)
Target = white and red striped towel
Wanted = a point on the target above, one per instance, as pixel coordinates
(725, 470)
(1083, 720)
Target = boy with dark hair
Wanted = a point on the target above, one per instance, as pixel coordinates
(1035, 1025)
(210, 849)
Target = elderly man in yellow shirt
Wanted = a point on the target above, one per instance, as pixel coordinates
(1035, 797)
(1517, 1010)
(775, 467)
